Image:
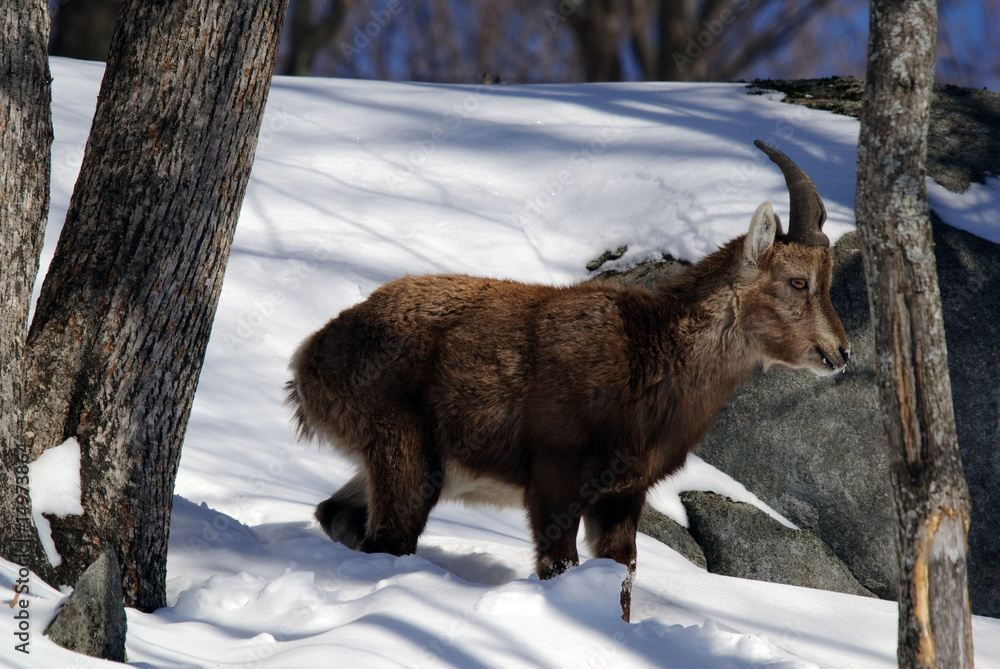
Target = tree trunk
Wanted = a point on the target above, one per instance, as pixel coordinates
(302, 43)
(25, 162)
(929, 490)
(307, 36)
(674, 28)
(83, 28)
(598, 28)
(126, 309)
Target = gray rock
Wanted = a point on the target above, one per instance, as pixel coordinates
(969, 276)
(666, 530)
(963, 145)
(596, 263)
(92, 620)
(647, 274)
(741, 540)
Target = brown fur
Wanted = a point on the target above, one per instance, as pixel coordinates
(578, 399)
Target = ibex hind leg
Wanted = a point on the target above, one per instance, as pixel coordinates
(611, 524)
(344, 517)
(405, 477)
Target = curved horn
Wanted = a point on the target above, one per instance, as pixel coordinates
(806, 211)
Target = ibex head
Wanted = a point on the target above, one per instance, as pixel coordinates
(785, 298)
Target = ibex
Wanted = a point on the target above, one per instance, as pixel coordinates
(571, 401)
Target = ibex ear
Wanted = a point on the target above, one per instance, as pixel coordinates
(763, 227)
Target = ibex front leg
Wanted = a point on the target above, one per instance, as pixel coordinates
(611, 523)
(555, 523)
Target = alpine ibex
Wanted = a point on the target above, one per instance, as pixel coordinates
(570, 401)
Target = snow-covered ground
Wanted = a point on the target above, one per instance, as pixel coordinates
(357, 182)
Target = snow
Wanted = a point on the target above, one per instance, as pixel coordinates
(699, 475)
(358, 182)
(56, 490)
(977, 209)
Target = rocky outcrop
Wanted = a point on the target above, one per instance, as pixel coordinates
(741, 540)
(666, 530)
(92, 619)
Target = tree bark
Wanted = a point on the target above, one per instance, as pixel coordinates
(126, 309)
(25, 165)
(929, 491)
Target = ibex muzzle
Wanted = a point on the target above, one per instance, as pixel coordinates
(572, 401)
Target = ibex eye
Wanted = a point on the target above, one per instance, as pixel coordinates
(799, 284)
